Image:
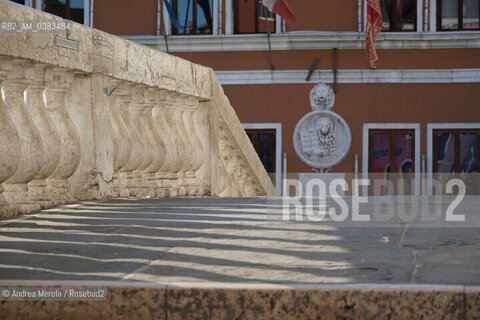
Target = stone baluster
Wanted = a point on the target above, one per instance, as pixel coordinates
(166, 176)
(156, 144)
(37, 188)
(186, 173)
(206, 132)
(9, 146)
(30, 160)
(122, 140)
(136, 109)
(58, 83)
(127, 173)
(173, 119)
(195, 143)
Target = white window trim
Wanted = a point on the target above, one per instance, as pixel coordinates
(229, 17)
(168, 23)
(371, 126)
(278, 24)
(220, 16)
(419, 15)
(436, 126)
(433, 15)
(364, 15)
(87, 10)
(359, 15)
(159, 16)
(88, 13)
(278, 148)
(215, 17)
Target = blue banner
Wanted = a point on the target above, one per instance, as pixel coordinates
(172, 15)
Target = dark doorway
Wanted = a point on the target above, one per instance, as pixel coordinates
(264, 142)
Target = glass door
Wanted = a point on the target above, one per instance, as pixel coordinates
(391, 160)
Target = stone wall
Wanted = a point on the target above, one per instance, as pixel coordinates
(166, 130)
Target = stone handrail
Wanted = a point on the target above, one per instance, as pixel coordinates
(166, 130)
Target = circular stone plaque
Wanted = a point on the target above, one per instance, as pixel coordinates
(322, 139)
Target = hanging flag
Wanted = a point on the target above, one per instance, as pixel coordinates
(374, 25)
(172, 15)
(205, 5)
(281, 8)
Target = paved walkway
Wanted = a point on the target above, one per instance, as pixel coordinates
(230, 240)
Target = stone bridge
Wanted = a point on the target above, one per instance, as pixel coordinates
(165, 130)
(86, 116)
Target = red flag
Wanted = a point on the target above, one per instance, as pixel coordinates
(374, 25)
(281, 8)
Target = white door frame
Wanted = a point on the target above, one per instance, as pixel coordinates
(371, 126)
(430, 128)
(278, 148)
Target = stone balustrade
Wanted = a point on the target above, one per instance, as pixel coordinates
(166, 130)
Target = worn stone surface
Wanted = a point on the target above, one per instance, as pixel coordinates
(122, 303)
(227, 258)
(229, 240)
(227, 301)
(327, 302)
(472, 302)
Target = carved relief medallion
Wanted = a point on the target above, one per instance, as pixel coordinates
(322, 138)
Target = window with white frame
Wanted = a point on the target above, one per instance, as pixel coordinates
(458, 15)
(399, 15)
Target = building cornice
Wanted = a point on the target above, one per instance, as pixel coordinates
(312, 41)
(241, 77)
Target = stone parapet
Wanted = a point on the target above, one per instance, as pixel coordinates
(254, 301)
(166, 130)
